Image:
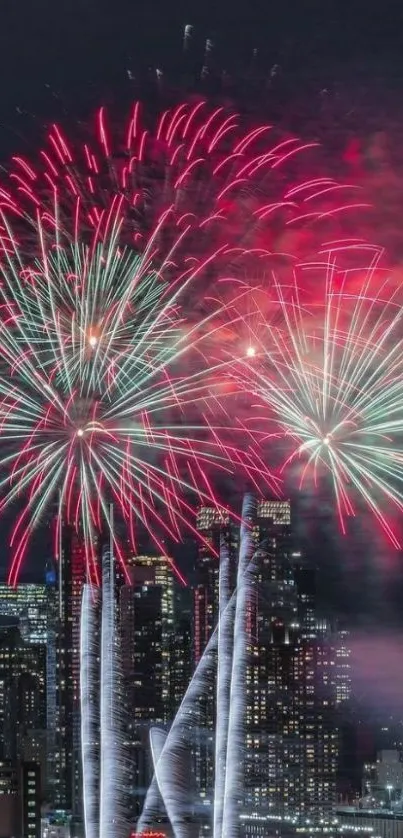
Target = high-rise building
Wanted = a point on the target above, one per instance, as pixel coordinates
(209, 524)
(22, 693)
(290, 726)
(212, 526)
(9, 821)
(182, 659)
(382, 781)
(318, 734)
(66, 768)
(26, 603)
(270, 739)
(147, 637)
(305, 579)
(22, 729)
(343, 667)
(291, 756)
(30, 785)
(147, 630)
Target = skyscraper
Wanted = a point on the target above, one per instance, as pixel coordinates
(66, 768)
(9, 820)
(28, 603)
(22, 693)
(147, 630)
(22, 728)
(30, 800)
(211, 525)
(291, 757)
(343, 666)
(318, 732)
(147, 637)
(270, 738)
(182, 659)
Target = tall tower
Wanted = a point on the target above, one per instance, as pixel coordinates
(182, 655)
(317, 730)
(343, 666)
(147, 636)
(67, 763)
(270, 701)
(211, 525)
(22, 728)
(22, 694)
(290, 767)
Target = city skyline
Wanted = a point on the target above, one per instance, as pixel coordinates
(348, 590)
(150, 615)
(152, 577)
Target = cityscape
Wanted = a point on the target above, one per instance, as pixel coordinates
(125, 708)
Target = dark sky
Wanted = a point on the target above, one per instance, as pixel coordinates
(71, 43)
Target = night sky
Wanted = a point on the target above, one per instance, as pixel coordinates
(76, 45)
(64, 58)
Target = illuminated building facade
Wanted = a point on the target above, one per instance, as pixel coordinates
(66, 768)
(292, 745)
(22, 730)
(270, 701)
(382, 782)
(31, 800)
(147, 630)
(263, 689)
(9, 820)
(182, 654)
(28, 604)
(343, 667)
(318, 734)
(148, 638)
(211, 525)
(22, 695)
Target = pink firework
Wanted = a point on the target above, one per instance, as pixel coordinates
(111, 387)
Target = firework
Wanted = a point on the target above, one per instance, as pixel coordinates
(329, 371)
(107, 389)
(97, 380)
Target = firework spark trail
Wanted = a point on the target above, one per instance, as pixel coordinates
(224, 668)
(102, 432)
(234, 773)
(113, 822)
(106, 252)
(331, 378)
(89, 704)
(107, 249)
